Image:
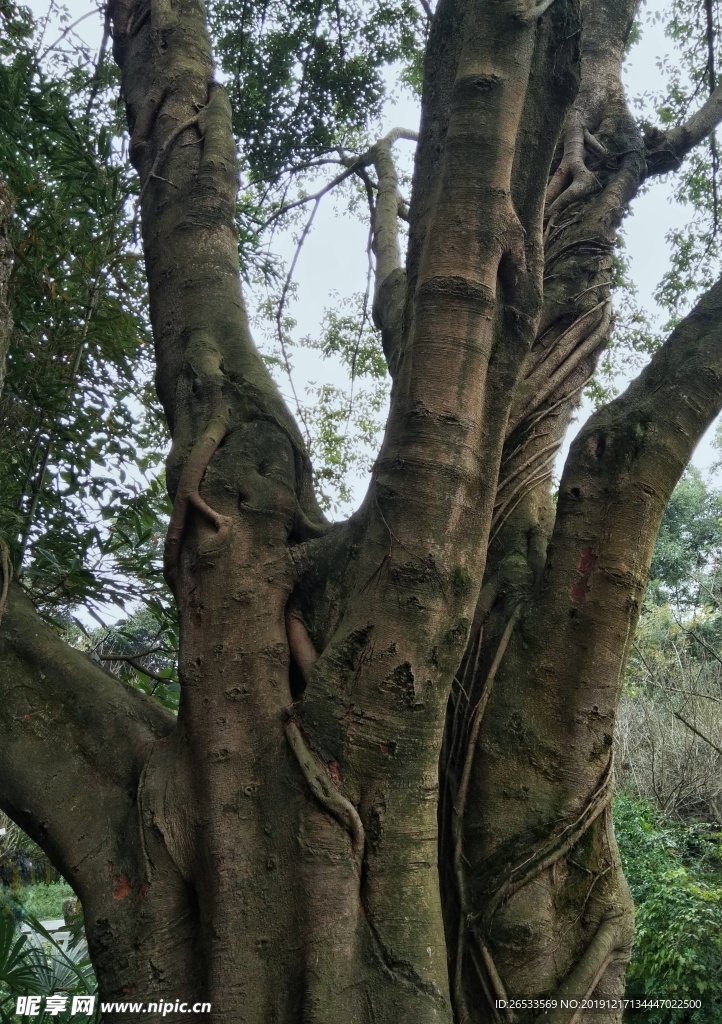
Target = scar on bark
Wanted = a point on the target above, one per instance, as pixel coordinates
(188, 495)
(323, 787)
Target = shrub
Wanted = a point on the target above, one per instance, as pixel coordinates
(675, 873)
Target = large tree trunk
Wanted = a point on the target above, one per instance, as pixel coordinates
(276, 849)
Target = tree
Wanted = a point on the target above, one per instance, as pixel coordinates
(386, 794)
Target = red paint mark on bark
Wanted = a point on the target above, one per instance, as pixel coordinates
(122, 887)
(586, 566)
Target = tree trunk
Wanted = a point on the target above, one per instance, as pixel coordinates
(284, 849)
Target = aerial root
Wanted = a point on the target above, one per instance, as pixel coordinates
(300, 644)
(554, 849)
(165, 150)
(320, 783)
(326, 792)
(572, 179)
(609, 942)
(188, 495)
(459, 809)
(612, 938)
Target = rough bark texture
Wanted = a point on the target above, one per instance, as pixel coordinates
(385, 798)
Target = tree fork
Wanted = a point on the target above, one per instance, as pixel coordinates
(247, 846)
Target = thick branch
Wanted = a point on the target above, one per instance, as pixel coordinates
(390, 281)
(73, 739)
(620, 473)
(183, 148)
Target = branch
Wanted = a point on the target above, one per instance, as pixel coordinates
(207, 367)
(619, 476)
(73, 740)
(665, 151)
(66, 31)
(390, 280)
(135, 662)
(314, 197)
(353, 166)
(389, 207)
(697, 732)
(703, 643)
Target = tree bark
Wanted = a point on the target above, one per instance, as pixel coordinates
(385, 798)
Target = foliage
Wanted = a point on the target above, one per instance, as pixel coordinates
(307, 83)
(141, 650)
(345, 422)
(689, 546)
(17, 967)
(79, 426)
(29, 969)
(669, 730)
(22, 862)
(668, 743)
(690, 74)
(675, 873)
(44, 902)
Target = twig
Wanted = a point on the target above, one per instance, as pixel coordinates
(279, 316)
(66, 31)
(138, 665)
